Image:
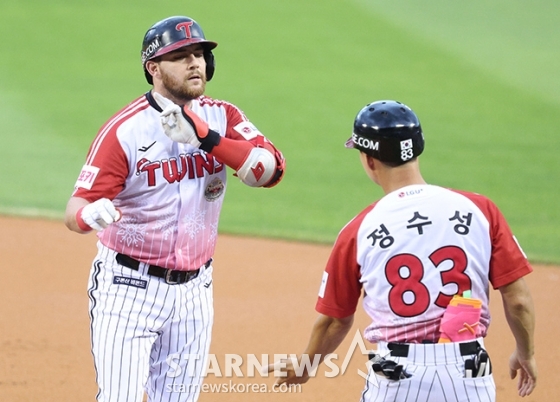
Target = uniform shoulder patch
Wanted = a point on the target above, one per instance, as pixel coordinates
(87, 177)
(247, 130)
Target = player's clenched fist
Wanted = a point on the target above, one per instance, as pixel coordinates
(97, 215)
(174, 124)
(183, 125)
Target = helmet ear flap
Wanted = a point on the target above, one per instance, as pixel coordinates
(148, 77)
(210, 64)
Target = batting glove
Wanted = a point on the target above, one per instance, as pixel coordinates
(97, 215)
(183, 125)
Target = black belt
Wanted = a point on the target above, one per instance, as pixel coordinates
(401, 349)
(171, 276)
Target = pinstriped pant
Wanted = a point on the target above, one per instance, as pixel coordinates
(437, 375)
(147, 335)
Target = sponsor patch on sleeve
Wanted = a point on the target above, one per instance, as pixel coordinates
(323, 284)
(247, 130)
(87, 177)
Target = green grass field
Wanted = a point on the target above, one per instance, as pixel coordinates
(483, 78)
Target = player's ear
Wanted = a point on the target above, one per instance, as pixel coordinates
(370, 160)
(152, 67)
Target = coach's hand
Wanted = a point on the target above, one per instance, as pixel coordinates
(527, 373)
(285, 372)
(97, 215)
(183, 125)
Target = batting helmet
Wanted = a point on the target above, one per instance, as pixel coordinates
(171, 34)
(389, 131)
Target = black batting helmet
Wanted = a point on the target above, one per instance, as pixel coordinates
(389, 131)
(171, 34)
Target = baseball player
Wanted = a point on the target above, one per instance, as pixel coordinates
(411, 253)
(152, 187)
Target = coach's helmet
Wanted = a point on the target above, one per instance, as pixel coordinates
(389, 131)
(171, 34)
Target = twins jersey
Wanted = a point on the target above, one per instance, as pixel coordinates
(411, 252)
(170, 194)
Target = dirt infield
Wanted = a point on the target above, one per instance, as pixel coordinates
(265, 293)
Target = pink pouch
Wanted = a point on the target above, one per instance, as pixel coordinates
(460, 323)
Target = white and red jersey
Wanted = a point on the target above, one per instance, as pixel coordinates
(170, 194)
(411, 252)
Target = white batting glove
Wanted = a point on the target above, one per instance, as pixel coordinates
(175, 126)
(100, 214)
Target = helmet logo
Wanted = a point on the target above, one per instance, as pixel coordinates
(151, 49)
(365, 142)
(185, 27)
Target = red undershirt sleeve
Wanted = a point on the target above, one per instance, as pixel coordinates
(232, 152)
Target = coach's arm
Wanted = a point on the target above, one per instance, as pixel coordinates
(520, 315)
(327, 334)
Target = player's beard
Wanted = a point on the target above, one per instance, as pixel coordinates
(183, 90)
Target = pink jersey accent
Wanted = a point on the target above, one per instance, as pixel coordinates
(170, 194)
(411, 252)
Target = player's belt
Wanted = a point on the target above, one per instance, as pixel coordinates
(171, 276)
(401, 349)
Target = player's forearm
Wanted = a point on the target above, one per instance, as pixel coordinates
(73, 206)
(520, 315)
(327, 334)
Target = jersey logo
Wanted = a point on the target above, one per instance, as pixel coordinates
(410, 192)
(214, 190)
(172, 170)
(144, 149)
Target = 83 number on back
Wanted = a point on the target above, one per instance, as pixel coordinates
(409, 296)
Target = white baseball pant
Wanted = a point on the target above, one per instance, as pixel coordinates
(437, 374)
(147, 335)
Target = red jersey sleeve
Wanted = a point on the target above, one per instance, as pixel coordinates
(507, 262)
(106, 168)
(341, 287)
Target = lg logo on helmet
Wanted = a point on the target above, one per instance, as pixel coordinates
(185, 27)
(365, 142)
